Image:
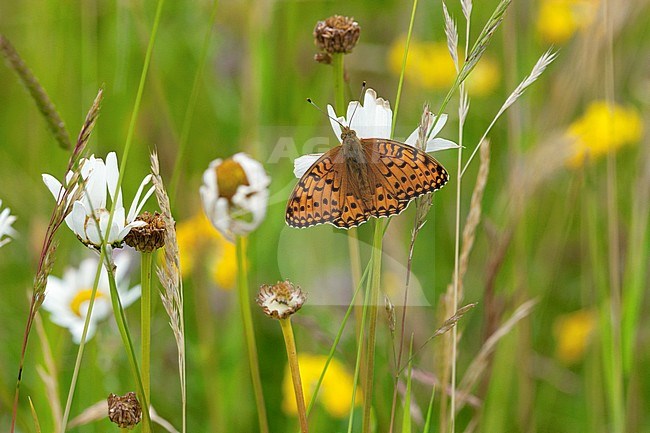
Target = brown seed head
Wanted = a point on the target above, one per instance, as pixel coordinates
(280, 300)
(337, 34)
(147, 238)
(125, 410)
(230, 175)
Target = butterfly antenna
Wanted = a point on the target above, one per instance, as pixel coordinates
(363, 88)
(325, 113)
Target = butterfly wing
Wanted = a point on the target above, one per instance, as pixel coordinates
(318, 197)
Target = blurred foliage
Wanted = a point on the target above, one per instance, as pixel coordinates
(533, 242)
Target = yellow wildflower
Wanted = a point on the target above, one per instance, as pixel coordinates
(558, 20)
(429, 66)
(572, 332)
(335, 393)
(603, 128)
(199, 244)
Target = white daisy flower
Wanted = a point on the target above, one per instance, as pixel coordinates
(67, 298)
(235, 194)
(6, 220)
(374, 119)
(101, 177)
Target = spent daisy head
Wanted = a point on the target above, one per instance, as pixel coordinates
(374, 119)
(90, 214)
(235, 194)
(67, 298)
(6, 220)
(280, 300)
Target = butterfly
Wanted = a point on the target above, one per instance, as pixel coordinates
(360, 179)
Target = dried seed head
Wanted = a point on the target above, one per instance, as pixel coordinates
(150, 237)
(280, 300)
(337, 34)
(390, 313)
(125, 411)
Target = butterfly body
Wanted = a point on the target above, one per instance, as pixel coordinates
(360, 179)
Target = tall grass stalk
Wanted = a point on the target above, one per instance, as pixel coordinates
(418, 225)
(338, 67)
(616, 391)
(145, 325)
(45, 105)
(249, 333)
(191, 104)
(169, 274)
(332, 351)
(67, 196)
(373, 309)
(463, 107)
(82, 345)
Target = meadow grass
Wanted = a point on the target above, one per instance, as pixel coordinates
(520, 291)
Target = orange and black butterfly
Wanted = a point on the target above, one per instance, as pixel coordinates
(362, 178)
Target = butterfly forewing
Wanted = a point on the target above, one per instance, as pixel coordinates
(395, 172)
(318, 196)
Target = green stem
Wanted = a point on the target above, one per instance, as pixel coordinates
(191, 105)
(339, 83)
(404, 58)
(375, 279)
(352, 234)
(145, 318)
(120, 318)
(292, 355)
(247, 318)
(82, 345)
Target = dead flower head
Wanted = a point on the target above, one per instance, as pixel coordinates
(149, 237)
(337, 34)
(280, 300)
(125, 410)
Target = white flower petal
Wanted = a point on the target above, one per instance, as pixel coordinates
(335, 123)
(302, 164)
(52, 184)
(112, 176)
(437, 144)
(413, 138)
(437, 126)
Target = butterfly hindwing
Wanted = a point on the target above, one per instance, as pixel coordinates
(404, 170)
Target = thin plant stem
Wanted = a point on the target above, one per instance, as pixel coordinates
(249, 333)
(360, 351)
(616, 393)
(145, 325)
(191, 104)
(339, 81)
(136, 109)
(120, 318)
(292, 355)
(375, 280)
(404, 58)
(82, 345)
(455, 300)
(336, 342)
(338, 64)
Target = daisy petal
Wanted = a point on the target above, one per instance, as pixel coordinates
(302, 164)
(440, 144)
(438, 125)
(335, 123)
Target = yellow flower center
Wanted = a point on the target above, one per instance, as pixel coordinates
(81, 297)
(230, 175)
